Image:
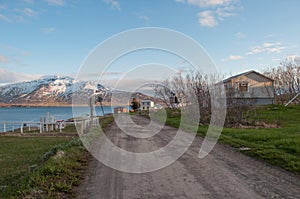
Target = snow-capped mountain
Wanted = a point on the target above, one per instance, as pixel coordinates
(48, 90)
(63, 90)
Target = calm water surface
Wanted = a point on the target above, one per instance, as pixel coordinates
(33, 114)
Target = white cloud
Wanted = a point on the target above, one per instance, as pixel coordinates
(207, 18)
(293, 57)
(4, 18)
(11, 77)
(114, 4)
(216, 10)
(227, 11)
(48, 30)
(206, 3)
(56, 2)
(267, 47)
(29, 12)
(3, 59)
(235, 57)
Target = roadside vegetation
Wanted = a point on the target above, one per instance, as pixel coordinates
(276, 141)
(42, 167)
(271, 133)
(19, 155)
(278, 146)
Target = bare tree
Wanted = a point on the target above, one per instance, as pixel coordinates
(202, 87)
(199, 85)
(238, 107)
(163, 92)
(287, 79)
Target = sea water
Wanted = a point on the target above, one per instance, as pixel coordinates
(33, 114)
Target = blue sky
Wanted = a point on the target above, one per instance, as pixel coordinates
(43, 37)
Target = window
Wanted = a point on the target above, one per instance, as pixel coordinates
(243, 87)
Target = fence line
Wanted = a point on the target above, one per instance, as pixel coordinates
(45, 126)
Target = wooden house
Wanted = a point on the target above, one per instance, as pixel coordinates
(252, 87)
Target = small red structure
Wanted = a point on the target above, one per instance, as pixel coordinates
(120, 109)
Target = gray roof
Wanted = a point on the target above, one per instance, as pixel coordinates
(246, 73)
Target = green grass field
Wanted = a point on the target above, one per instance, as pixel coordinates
(17, 154)
(42, 167)
(278, 146)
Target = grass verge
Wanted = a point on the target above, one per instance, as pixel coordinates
(39, 167)
(18, 154)
(278, 146)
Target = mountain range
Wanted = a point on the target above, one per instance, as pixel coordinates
(60, 91)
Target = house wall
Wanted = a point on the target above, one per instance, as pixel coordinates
(258, 86)
(264, 101)
(253, 101)
(146, 106)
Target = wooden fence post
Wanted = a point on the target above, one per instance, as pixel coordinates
(82, 126)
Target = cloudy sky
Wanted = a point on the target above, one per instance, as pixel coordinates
(45, 37)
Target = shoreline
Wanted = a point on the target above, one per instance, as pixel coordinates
(53, 105)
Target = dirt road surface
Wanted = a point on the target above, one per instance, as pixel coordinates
(224, 173)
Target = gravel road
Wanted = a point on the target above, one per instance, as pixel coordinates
(224, 173)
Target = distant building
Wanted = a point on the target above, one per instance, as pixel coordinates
(251, 86)
(147, 104)
(158, 106)
(120, 109)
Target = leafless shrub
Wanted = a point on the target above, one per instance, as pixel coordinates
(287, 79)
(201, 86)
(238, 108)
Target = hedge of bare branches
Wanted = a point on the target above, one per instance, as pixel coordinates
(287, 79)
(200, 86)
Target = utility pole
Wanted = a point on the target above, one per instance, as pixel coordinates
(91, 105)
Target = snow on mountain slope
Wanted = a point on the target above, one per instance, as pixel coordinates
(48, 89)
